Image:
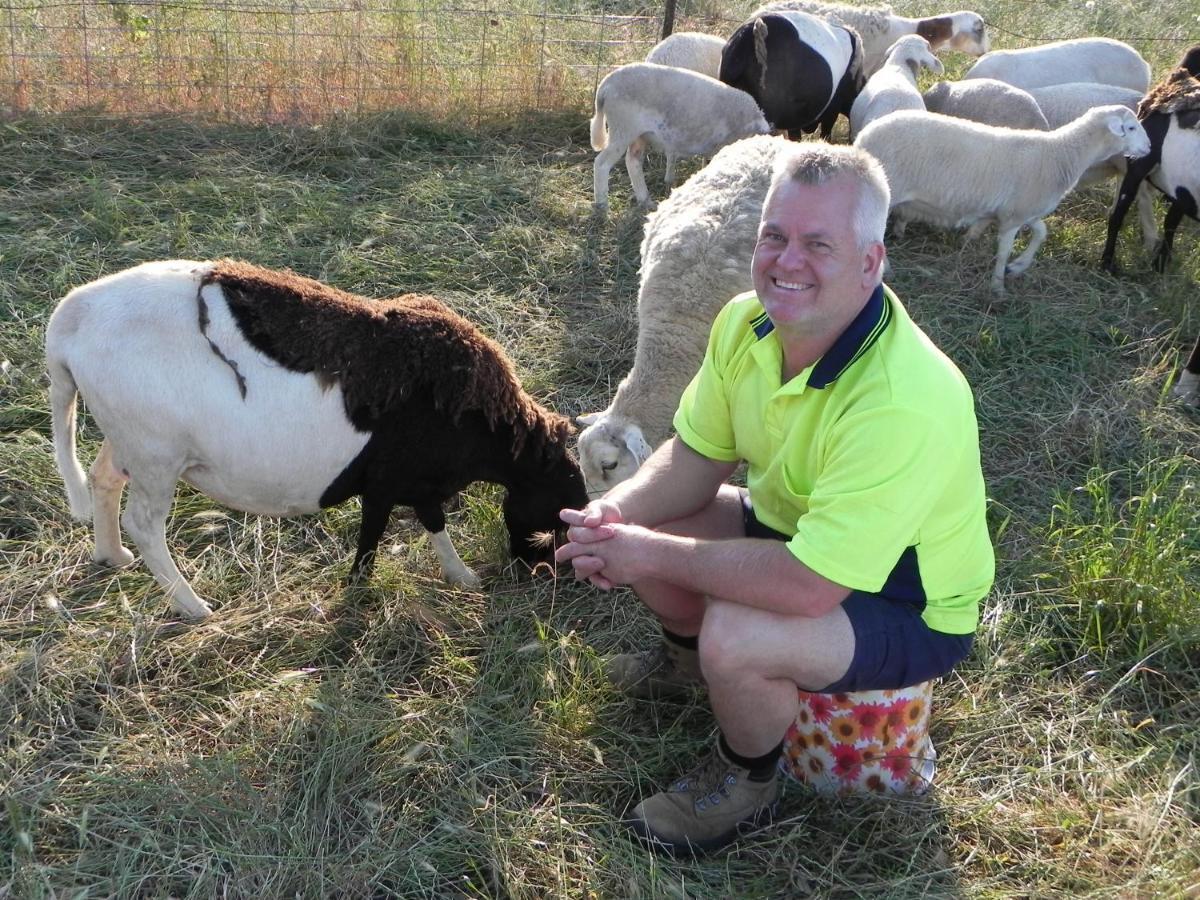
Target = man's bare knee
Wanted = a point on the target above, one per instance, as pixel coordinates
(726, 643)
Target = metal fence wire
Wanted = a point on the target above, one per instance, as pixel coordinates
(305, 60)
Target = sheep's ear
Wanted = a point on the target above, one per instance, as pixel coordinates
(637, 444)
(936, 66)
(588, 419)
(1116, 124)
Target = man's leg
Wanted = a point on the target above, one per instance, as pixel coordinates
(672, 667)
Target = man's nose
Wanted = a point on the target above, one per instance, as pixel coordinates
(793, 256)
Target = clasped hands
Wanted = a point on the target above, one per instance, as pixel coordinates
(601, 547)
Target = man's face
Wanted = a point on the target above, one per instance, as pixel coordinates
(810, 274)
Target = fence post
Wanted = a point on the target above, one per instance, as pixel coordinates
(668, 19)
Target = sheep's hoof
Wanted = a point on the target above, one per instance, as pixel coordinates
(647, 205)
(1110, 266)
(117, 560)
(191, 611)
(467, 580)
(599, 210)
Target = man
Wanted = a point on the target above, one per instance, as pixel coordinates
(858, 555)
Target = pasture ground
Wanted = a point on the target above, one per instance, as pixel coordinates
(404, 739)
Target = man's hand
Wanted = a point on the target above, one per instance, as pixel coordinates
(586, 527)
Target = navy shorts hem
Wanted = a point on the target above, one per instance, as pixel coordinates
(893, 647)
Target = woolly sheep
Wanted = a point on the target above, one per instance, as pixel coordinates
(802, 70)
(679, 112)
(689, 50)
(695, 256)
(955, 173)
(894, 86)
(879, 27)
(1082, 59)
(987, 101)
(275, 394)
(1171, 116)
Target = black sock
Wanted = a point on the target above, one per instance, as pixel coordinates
(687, 643)
(762, 768)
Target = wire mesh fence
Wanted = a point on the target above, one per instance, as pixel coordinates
(304, 60)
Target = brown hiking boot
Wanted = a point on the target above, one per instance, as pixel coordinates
(666, 670)
(706, 809)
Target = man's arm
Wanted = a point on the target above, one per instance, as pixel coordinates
(675, 481)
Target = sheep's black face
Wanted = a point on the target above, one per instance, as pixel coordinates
(531, 512)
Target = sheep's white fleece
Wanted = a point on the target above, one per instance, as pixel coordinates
(894, 86)
(987, 101)
(956, 173)
(696, 255)
(677, 111)
(1063, 103)
(689, 50)
(1096, 59)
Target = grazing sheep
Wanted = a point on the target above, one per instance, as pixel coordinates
(1063, 103)
(802, 70)
(275, 394)
(689, 50)
(879, 27)
(1082, 59)
(955, 173)
(987, 101)
(679, 112)
(695, 256)
(894, 86)
(1171, 116)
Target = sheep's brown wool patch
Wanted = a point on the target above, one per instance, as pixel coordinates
(1178, 92)
(936, 30)
(384, 352)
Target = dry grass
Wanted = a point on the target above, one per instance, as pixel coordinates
(404, 739)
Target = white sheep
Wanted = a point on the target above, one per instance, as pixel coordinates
(695, 256)
(689, 50)
(894, 86)
(275, 394)
(955, 173)
(1082, 59)
(677, 111)
(1063, 103)
(988, 101)
(879, 27)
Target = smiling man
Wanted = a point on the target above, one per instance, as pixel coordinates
(856, 557)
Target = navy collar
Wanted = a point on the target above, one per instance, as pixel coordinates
(850, 345)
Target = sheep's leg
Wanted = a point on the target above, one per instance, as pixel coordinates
(1187, 388)
(1004, 245)
(1145, 206)
(1175, 212)
(454, 570)
(375, 515)
(1025, 260)
(108, 483)
(605, 160)
(976, 229)
(669, 174)
(62, 415)
(634, 157)
(1126, 194)
(151, 490)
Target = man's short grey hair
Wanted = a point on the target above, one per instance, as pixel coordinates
(816, 163)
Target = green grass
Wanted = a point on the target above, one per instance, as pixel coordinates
(407, 739)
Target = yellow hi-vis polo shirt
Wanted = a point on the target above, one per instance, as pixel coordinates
(869, 457)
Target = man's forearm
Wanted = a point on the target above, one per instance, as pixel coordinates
(675, 482)
(755, 572)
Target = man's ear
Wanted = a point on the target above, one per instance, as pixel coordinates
(873, 262)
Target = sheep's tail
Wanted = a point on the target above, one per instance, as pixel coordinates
(760, 52)
(599, 133)
(62, 421)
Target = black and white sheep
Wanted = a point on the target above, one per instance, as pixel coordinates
(695, 256)
(676, 111)
(1171, 116)
(802, 70)
(955, 173)
(879, 27)
(894, 86)
(689, 50)
(1082, 59)
(274, 394)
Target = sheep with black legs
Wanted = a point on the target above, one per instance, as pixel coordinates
(955, 173)
(879, 27)
(1171, 116)
(275, 394)
(677, 111)
(695, 256)
(801, 70)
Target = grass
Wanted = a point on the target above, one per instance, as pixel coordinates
(404, 739)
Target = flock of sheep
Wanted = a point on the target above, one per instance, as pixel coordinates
(1004, 145)
(279, 395)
